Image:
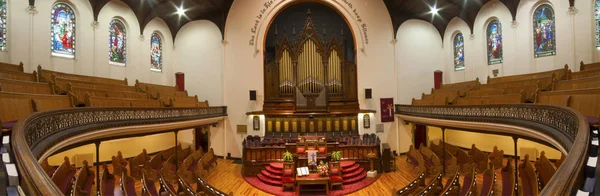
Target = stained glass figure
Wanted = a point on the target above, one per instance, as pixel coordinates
(156, 52)
(117, 52)
(597, 23)
(544, 33)
(494, 42)
(3, 25)
(459, 52)
(63, 31)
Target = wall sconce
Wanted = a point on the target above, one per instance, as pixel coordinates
(366, 121)
(256, 123)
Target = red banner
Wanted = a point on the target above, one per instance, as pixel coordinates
(387, 109)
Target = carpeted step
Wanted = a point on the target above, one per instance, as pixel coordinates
(350, 169)
(276, 165)
(269, 181)
(352, 174)
(354, 179)
(270, 175)
(345, 164)
(274, 171)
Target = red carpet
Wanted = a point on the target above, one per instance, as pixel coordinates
(269, 180)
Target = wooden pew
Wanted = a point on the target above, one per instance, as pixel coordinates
(63, 176)
(480, 158)
(411, 188)
(207, 160)
(489, 179)
(449, 92)
(432, 161)
(183, 102)
(157, 160)
(545, 83)
(528, 177)
(588, 66)
(435, 101)
(167, 178)
(20, 86)
(107, 182)
(62, 84)
(450, 161)
(496, 157)
(149, 178)
(49, 169)
(508, 179)
(582, 83)
(79, 93)
(118, 163)
(560, 74)
(585, 74)
(545, 169)
(83, 181)
(462, 85)
(127, 184)
(186, 181)
(137, 163)
(156, 90)
(120, 102)
(12, 67)
(494, 99)
(415, 159)
(16, 106)
(452, 149)
(452, 186)
(469, 181)
(485, 92)
(13, 75)
(46, 75)
(587, 104)
(434, 187)
(560, 161)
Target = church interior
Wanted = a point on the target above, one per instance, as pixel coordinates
(299, 97)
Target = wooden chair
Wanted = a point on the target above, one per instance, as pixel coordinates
(415, 159)
(63, 176)
(127, 184)
(149, 178)
(469, 181)
(411, 188)
(529, 180)
(20, 86)
(508, 179)
(496, 157)
(137, 163)
(289, 173)
(544, 168)
(479, 157)
(12, 67)
(432, 161)
(489, 179)
(83, 181)
(107, 182)
(335, 174)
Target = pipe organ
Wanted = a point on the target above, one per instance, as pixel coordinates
(310, 73)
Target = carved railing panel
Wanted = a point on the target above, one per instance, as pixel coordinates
(37, 133)
(564, 125)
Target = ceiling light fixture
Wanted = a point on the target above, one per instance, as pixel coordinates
(434, 10)
(180, 11)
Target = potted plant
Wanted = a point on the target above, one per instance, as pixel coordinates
(287, 156)
(335, 156)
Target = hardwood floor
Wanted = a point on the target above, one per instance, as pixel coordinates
(227, 178)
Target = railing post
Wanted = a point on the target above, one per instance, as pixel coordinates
(176, 152)
(444, 151)
(97, 167)
(516, 165)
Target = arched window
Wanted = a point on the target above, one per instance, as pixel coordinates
(3, 25)
(63, 31)
(156, 52)
(544, 33)
(459, 52)
(117, 49)
(494, 42)
(597, 22)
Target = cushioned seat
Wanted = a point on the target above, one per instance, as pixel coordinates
(335, 178)
(288, 179)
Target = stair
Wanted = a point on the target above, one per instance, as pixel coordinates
(272, 174)
(352, 172)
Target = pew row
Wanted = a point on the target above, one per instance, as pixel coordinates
(14, 75)
(432, 161)
(83, 181)
(582, 83)
(46, 75)
(411, 188)
(560, 74)
(12, 67)
(63, 176)
(544, 168)
(20, 86)
(61, 85)
(79, 93)
(583, 66)
(16, 106)
(91, 101)
(529, 178)
(107, 182)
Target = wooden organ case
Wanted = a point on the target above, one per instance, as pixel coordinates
(310, 74)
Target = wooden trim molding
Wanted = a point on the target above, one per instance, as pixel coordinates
(561, 127)
(40, 134)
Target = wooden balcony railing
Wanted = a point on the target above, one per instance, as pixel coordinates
(41, 134)
(561, 127)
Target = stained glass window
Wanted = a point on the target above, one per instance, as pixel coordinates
(155, 52)
(597, 22)
(494, 42)
(459, 52)
(63, 31)
(544, 33)
(3, 25)
(117, 52)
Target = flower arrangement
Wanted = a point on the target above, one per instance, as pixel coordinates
(323, 168)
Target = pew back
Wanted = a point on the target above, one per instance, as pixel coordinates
(62, 84)
(12, 67)
(582, 83)
(46, 75)
(558, 73)
(13, 75)
(15, 106)
(585, 74)
(19, 86)
(588, 66)
(545, 168)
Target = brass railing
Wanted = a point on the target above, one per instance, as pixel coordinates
(39, 132)
(568, 128)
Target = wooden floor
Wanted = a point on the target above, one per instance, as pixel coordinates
(227, 178)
